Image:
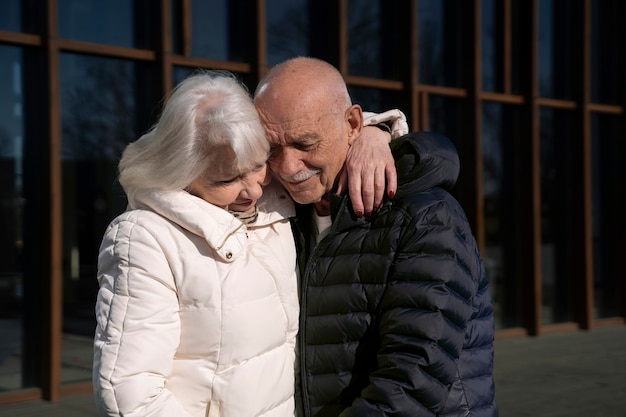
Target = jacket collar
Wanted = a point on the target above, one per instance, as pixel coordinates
(220, 229)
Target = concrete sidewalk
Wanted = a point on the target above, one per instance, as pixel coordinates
(573, 374)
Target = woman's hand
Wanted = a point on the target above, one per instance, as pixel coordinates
(369, 167)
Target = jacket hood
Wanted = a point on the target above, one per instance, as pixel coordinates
(425, 160)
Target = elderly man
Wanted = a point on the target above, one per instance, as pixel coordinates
(396, 316)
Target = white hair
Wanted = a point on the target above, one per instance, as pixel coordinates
(204, 111)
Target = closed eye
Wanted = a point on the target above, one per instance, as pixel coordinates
(305, 146)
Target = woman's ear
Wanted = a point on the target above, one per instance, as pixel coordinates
(354, 119)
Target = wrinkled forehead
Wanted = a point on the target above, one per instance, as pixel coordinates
(294, 129)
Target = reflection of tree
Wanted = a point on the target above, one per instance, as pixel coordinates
(287, 34)
(98, 112)
(365, 39)
(431, 20)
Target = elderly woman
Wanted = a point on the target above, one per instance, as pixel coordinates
(197, 309)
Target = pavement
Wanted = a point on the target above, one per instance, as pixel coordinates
(574, 374)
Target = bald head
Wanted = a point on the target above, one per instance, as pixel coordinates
(310, 122)
(303, 83)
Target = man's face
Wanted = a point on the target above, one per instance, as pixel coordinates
(307, 152)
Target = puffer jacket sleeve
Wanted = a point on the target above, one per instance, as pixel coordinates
(138, 325)
(423, 312)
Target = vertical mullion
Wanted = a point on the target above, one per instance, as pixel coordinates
(343, 36)
(414, 77)
(477, 88)
(530, 181)
(536, 260)
(424, 110)
(585, 298)
(507, 53)
(187, 31)
(166, 45)
(261, 45)
(52, 380)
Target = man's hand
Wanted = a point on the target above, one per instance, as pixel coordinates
(368, 165)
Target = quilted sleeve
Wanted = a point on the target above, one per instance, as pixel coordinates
(138, 327)
(422, 317)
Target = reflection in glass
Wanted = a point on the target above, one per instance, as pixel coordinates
(491, 46)
(176, 22)
(98, 100)
(501, 209)
(444, 117)
(605, 24)
(209, 25)
(11, 218)
(556, 51)
(365, 38)
(11, 15)
(606, 163)
(180, 73)
(519, 60)
(440, 25)
(108, 22)
(287, 29)
(557, 170)
(375, 100)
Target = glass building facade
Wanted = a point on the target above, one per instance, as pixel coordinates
(532, 93)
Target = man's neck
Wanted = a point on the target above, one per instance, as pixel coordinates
(322, 207)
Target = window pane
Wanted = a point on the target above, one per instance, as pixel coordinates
(557, 169)
(556, 51)
(445, 118)
(500, 145)
(606, 22)
(519, 33)
(180, 73)
(11, 218)
(221, 29)
(441, 26)
(287, 29)
(11, 15)
(176, 20)
(372, 28)
(99, 118)
(606, 163)
(375, 100)
(113, 22)
(491, 46)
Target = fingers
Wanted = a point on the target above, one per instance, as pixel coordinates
(369, 170)
(392, 179)
(361, 190)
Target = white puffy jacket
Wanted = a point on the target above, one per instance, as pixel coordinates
(197, 314)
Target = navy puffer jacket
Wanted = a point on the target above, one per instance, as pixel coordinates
(396, 315)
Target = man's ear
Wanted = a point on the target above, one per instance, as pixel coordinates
(354, 119)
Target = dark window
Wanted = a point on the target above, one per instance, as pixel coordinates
(557, 229)
(11, 15)
(287, 29)
(12, 202)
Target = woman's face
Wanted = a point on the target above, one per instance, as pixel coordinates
(223, 185)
